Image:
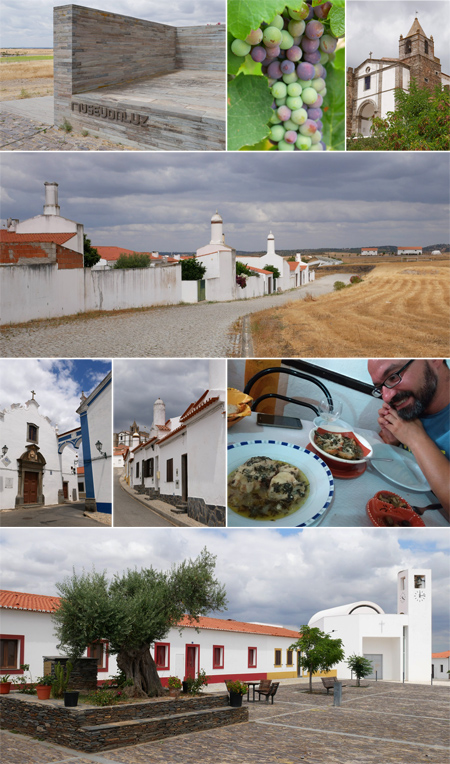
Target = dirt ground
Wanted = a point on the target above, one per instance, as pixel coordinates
(399, 310)
(26, 79)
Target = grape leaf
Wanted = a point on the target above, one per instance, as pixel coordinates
(245, 15)
(337, 21)
(336, 3)
(233, 62)
(334, 111)
(249, 110)
(339, 60)
(264, 145)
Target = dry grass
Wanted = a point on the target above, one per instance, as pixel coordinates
(33, 77)
(400, 310)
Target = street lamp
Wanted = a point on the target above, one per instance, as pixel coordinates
(4, 450)
(99, 446)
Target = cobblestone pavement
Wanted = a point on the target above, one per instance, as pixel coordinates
(179, 331)
(19, 133)
(382, 723)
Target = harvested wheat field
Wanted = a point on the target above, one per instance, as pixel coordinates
(25, 78)
(399, 310)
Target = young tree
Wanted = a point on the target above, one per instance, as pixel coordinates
(360, 666)
(136, 260)
(276, 273)
(91, 255)
(135, 609)
(318, 651)
(192, 270)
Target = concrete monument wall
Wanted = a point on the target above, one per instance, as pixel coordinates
(200, 47)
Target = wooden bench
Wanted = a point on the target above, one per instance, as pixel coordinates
(328, 683)
(270, 692)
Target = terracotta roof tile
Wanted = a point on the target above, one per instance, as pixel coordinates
(445, 654)
(222, 624)
(177, 429)
(10, 237)
(22, 601)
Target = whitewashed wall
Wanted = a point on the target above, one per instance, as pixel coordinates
(33, 292)
(207, 455)
(100, 428)
(254, 287)
(189, 291)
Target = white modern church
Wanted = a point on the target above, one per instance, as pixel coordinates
(399, 645)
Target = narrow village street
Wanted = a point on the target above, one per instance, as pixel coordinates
(178, 331)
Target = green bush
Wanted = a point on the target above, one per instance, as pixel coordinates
(339, 285)
(104, 697)
(136, 260)
(192, 270)
(355, 280)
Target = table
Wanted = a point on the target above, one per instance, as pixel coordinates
(252, 685)
(348, 507)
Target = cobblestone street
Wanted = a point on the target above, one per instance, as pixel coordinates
(382, 723)
(201, 330)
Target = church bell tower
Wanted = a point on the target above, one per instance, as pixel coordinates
(417, 50)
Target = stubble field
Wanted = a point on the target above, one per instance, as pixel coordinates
(399, 310)
(26, 79)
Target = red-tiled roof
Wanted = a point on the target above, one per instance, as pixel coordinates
(445, 654)
(409, 247)
(177, 429)
(368, 249)
(259, 270)
(113, 253)
(163, 427)
(293, 266)
(221, 624)
(22, 601)
(197, 406)
(10, 237)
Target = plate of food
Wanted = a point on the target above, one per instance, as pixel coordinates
(340, 445)
(389, 510)
(274, 483)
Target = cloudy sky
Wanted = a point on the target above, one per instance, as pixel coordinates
(164, 201)
(29, 23)
(376, 25)
(138, 383)
(310, 570)
(57, 383)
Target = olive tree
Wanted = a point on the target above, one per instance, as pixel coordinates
(133, 610)
(317, 651)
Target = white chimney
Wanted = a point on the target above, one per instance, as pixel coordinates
(159, 412)
(51, 206)
(271, 244)
(12, 223)
(217, 236)
(217, 368)
(298, 257)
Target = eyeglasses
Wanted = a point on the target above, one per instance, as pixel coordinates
(391, 381)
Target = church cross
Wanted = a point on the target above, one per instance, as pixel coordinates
(370, 54)
(381, 625)
(33, 394)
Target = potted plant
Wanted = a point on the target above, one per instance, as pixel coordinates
(44, 686)
(5, 685)
(174, 685)
(237, 690)
(60, 684)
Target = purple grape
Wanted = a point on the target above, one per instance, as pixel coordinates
(294, 54)
(322, 11)
(309, 46)
(258, 54)
(290, 136)
(274, 70)
(314, 114)
(283, 113)
(273, 51)
(312, 58)
(319, 124)
(314, 29)
(287, 67)
(318, 103)
(305, 71)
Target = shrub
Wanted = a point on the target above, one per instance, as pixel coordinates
(136, 260)
(339, 285)
(192, 270)
(355, 280)
(241, 281)
(105, 697)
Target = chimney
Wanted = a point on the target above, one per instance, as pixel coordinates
(51, 206)
(12, 223)
(270, 244)
(217, 229)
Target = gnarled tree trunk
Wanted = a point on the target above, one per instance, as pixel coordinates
(137, 664)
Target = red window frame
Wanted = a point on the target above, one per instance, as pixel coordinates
(252, 663)
(20, 639)
(218, 661)
(165, 665)
(105, 654)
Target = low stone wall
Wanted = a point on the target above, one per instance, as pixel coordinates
(208, 514)
(92, 729)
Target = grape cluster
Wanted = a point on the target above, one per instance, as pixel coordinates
(293, 50)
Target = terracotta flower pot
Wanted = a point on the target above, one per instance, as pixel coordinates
(5, 688)
(43, 691)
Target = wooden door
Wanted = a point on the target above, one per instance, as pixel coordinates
(30, 488)
(190, 661)
(65, 489)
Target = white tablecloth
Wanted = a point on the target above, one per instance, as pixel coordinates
(348, 507)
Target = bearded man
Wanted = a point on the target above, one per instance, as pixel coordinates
(416, 414)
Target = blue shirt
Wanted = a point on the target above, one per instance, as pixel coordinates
(437, 426)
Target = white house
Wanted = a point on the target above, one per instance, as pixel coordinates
(369, 251)
(440, 665)
(409, 250)
(51, 222)
(183, 462)
(35, 468)
(399, 645)
(224, 648)
(96, 429)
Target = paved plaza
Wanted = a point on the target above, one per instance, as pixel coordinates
(379, 723)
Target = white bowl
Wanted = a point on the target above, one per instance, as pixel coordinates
(327, 456)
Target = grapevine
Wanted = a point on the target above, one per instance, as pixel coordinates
(286, 75)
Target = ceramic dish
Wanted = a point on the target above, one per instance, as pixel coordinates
(331, 457)
(384, 515)
(403, 470)
(321, 483)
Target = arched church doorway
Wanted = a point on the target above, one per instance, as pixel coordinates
(365, 114)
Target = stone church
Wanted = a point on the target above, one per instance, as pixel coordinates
(371, 85)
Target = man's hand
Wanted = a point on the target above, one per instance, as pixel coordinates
(385, 433)
(400, 430)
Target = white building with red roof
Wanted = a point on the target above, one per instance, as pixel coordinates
(369, 251)
(183, 462)
(409, 250)
(440, 665)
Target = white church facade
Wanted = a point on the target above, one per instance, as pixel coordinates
(371, 85)
(399, 644)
